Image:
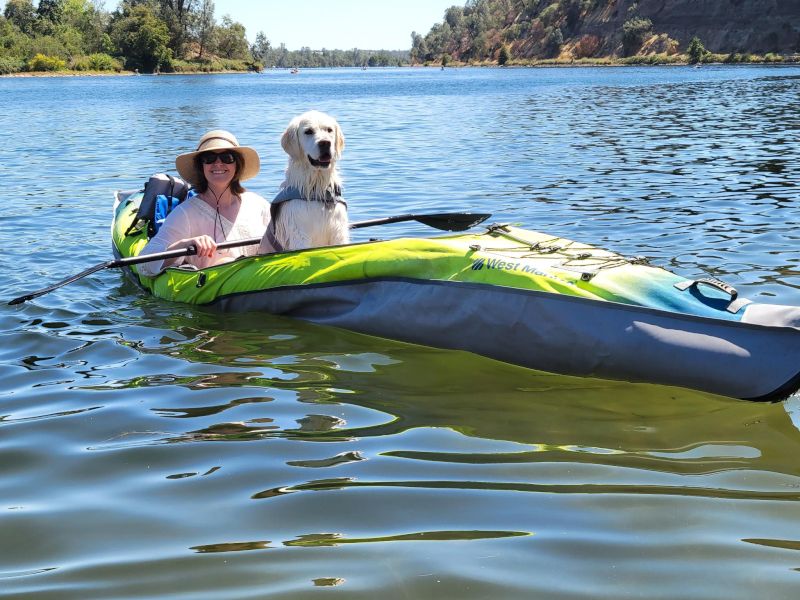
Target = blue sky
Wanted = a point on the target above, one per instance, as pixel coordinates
(336, 24)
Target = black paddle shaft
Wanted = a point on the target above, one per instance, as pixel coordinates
(127, 262)
(443, 221)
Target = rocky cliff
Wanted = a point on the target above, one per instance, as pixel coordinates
(502, 30)
(723, 26)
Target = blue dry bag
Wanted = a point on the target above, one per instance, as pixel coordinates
(164, 206)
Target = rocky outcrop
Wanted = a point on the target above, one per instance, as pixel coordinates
(723, 26)
(502, 30)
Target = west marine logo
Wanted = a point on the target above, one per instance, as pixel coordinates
(496, 264)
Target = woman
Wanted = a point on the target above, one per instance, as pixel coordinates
(221, 210)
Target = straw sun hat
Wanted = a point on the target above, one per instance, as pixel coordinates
(217, 140)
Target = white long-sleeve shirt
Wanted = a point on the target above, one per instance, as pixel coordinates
(195, 217)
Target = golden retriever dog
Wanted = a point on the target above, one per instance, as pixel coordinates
(309, 210)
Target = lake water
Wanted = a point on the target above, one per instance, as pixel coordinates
(152, 450)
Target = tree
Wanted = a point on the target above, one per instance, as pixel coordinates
(419, 48)
(553, 41)
(454, 16)
(504, 55)
(282, 56)
(142, 38)
(90, 22)
(696, 50)
(261, 48)
(574, 10)
(51, 10)
(231, 40)
(49, 13)
(634, 33)
(204, 27)
(178, 16)
(22, 14)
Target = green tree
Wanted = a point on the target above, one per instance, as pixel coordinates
(504, 55)
(231, 40)
(356, 59)
(574, 12)
(22, 14)
(634, 33)
(282, 56)
(204, 26)
(550, 15)
(49, 13)
(14, 47)
(91, 22)
(454, 16)
(142, 38)
(179, 16)
(553, 41)
(49, 45)
(419, 48)
(261, 49)
(696, 50)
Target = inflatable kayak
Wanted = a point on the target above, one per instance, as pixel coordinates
(510, 294)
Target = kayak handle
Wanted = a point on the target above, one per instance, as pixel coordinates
(710, 281)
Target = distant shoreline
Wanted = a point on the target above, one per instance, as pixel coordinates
(514, 65)
(114, 73)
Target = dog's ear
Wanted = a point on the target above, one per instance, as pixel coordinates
(290, 141)
(339, 140)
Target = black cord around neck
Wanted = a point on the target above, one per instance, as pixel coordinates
(217, 216)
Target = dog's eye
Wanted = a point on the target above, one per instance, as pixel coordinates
(309, 131)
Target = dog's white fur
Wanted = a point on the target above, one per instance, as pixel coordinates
(314, 143)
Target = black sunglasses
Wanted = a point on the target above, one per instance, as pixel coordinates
(209, 158)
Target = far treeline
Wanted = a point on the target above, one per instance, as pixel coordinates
(182, 36)
(150, 36)
(526, 32)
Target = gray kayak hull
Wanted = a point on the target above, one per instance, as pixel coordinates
(556, 333)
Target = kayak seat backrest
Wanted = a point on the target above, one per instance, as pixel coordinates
(162, 193)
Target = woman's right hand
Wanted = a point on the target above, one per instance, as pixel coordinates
(205, 245)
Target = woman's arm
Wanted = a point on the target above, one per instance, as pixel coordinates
(176, 232)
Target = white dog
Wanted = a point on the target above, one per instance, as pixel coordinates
(309, 210)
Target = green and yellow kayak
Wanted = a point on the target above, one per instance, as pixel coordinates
(514, 295)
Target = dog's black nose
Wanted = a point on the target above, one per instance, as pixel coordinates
(324, 145)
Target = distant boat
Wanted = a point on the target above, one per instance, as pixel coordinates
(294, 71)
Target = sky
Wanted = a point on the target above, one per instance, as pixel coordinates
(331, 24)
(336, 24)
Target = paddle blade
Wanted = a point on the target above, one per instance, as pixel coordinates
(453, 221)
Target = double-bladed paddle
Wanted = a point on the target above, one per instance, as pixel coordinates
(443, 221)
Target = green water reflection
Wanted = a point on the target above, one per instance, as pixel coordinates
(556, 418)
